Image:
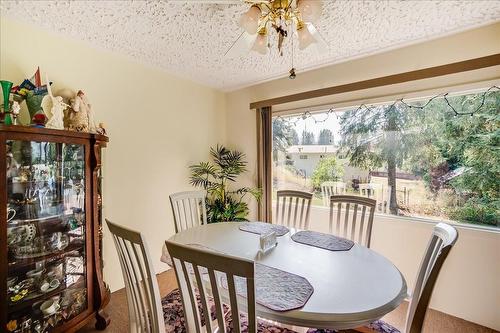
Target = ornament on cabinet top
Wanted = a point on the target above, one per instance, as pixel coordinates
(81, 116)
(63, 110)
(53, 106)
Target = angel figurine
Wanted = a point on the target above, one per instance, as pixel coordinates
(81, 117)
(56, 117)
(54, 109)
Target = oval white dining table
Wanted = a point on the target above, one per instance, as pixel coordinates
(351, 288)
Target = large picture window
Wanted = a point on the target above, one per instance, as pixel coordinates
(437, 158)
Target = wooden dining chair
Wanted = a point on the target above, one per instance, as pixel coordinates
(353, 218)
(141, 286)
(443, 238)
(188, 264)
(292, 208)
(189, 209)
(200, 272)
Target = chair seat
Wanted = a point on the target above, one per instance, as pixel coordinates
(263, 326)
(378, 326)
(173, 311)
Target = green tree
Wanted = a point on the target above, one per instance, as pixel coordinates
(222, 203)
(328, 169)
(325, 137)
(466, 145)
(295, 137)
(472, 144)
(380, 136)
(307, 138)
(282, 136)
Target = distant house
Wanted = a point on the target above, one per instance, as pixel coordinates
(305, 158)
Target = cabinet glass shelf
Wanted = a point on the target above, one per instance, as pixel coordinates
(46, 235)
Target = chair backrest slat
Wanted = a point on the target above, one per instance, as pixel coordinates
(353, 224)
(443, 238)
(209, 286)
(350, 223)
(362, 226)
(235, 314)
(192, 298)
(145, 310)
(189, 209)
(288, 205)
(219, 310)
(203, 298)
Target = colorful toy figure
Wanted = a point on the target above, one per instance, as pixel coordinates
(39, 119)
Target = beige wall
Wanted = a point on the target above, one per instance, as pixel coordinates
(468, 286)
(158, 124)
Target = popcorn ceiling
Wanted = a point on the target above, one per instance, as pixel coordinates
(189, 39)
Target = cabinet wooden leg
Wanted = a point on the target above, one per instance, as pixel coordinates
(102, 320)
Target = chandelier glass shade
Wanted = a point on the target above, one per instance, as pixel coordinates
(287, 18)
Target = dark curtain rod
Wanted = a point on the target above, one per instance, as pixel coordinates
(426, 73)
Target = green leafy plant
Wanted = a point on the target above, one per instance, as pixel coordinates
(223, 204)
(328, 169)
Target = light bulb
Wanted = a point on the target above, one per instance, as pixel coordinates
(310, 10)
(260, 44)
(250, 20)
(304, 35)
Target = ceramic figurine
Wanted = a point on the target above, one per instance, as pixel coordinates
(67, 95)
(81, 116)
(54, 109)
(16, 108)
(57, 114)
(101, 129)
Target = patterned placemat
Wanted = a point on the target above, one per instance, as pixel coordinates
(324, 241)
(275, 289)
(264, 228)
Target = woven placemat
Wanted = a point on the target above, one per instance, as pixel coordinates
(323, 241)
(264, 228)
(275, 289)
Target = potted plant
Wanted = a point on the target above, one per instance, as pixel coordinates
(223, 203)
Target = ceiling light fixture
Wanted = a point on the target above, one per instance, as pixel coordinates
(284, 17)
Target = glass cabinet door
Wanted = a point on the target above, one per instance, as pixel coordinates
(46, 273)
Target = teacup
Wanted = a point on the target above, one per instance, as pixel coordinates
(44, 287)
(49, 307)
(54, 283)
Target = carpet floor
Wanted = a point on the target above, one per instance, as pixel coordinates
(435, 322)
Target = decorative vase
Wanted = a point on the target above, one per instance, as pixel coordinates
(6, 86)
(34, 103)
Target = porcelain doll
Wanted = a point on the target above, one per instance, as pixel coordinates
(16, 109)
(81, 116)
